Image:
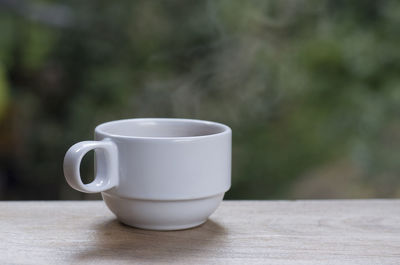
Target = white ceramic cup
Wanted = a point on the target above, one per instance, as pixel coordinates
(159, 174)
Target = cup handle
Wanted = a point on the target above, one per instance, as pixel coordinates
(106, 165)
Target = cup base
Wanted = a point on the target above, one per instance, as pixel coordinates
(162, 215)
(162, 228)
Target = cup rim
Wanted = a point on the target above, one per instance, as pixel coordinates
(225, 129)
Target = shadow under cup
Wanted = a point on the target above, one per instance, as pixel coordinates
(171, 173)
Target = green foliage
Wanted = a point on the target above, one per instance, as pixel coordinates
(305, 85)
(4, 94)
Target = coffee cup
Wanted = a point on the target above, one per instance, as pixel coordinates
(154, 173)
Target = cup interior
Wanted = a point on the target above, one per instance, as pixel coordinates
(161, 128)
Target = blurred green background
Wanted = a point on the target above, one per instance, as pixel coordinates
(311, 89)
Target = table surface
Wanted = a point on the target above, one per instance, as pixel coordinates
(239, 232)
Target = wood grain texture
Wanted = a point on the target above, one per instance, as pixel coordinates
(240, 232)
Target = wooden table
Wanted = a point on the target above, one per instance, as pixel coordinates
(239, 232)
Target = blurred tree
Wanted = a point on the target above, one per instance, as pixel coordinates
(310, 88)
